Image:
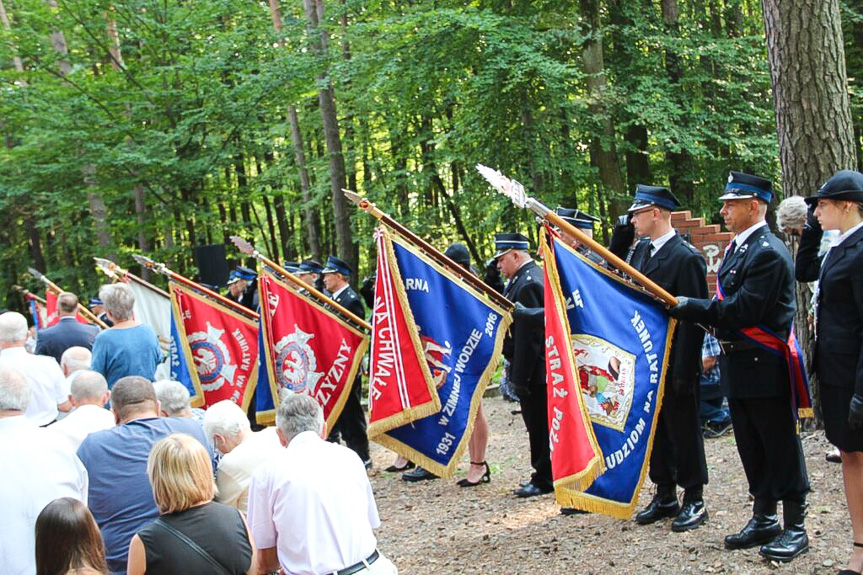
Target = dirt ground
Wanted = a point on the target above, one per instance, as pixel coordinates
(438, 527)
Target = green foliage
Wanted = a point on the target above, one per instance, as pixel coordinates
(194, 116)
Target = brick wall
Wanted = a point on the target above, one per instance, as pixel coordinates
(708, 238)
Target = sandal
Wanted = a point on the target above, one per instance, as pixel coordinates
(851, 571)
(486, 477)
(393, 469)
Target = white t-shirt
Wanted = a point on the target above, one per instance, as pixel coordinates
(236, 468)
(37, 470)
(47, 383)
(81, 422)
(315, 505)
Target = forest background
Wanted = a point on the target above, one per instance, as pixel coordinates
(154, 126)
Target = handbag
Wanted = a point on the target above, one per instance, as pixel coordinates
(220, 569)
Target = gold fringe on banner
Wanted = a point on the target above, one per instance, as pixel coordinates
(176, 290)
(596, 466)
(396, 445)
(268, 417)
(572, 497)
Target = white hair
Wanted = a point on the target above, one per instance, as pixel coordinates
(225, 418)
(173, 396)
(119, 299)
(791, 213)
(297, 413)
(88, 385)
(75, 358)
(13, 327)
(14, 389)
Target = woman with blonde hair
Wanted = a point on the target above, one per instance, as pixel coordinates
(68, 541)
(194, 534)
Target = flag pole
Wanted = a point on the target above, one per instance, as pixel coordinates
(28, 294)
(429, 249)
(115, 272)
(248, 249)
(56, 289)
(162, 269)
(515, 191)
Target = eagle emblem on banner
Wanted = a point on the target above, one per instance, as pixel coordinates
(296, 362)
(212, 358)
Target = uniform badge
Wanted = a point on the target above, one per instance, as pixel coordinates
(296, 362)
(730, 178)
(212, 359)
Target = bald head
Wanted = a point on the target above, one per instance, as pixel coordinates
(14, 391)
(89, 388)
(75, 358)
(133, 397)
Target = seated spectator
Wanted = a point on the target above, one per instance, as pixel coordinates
(181, 474)
(174, 400)
(89, 396)
(243, 450)
(48, 393)
(67, 332)
(312, 510)
(128, 347)
(73, 361)
(37, 470)
(715, 417)
(68, 540)
(116, 459)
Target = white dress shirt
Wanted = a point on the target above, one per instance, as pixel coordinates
(315, 505)
(236, 468)
(37, 470)
(741, 238)
(81, 422)
(47, 383)
(657, 244)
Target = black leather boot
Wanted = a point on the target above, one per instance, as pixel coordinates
(793, 541)
(664, 504)
(762, 528)
(692, 513)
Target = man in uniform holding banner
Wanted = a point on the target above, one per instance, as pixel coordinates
(761, 373)
(352, 423)
(523, 347)
(678, 449)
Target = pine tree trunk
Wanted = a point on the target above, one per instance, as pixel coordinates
(603, 148)
(813, 116)
(341, 218)
(312, 217)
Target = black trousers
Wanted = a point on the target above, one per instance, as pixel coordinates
(678, 446)
(769, 448)
(351, 424)
(534, 411)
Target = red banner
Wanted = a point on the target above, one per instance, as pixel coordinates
(401, 386)
(308, 349)
(218, 346)
(576, 459)
(52, 316)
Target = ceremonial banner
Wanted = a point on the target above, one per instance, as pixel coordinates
(306, 348)
(576, 458)
(620, 341)
(213, 349)
(455, 328)
(51, 315)
(401, 386)
(37, 311)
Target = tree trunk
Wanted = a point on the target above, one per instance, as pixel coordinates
(603, 149)
(680, 161)
(4, 18)
(314, 12)
(312, 217)
(813, 116)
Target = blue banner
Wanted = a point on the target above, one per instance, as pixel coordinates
(620, 340)
(461, 332)
(179, 369)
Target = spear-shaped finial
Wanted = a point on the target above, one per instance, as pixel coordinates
(37, 274)
(245, 246)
